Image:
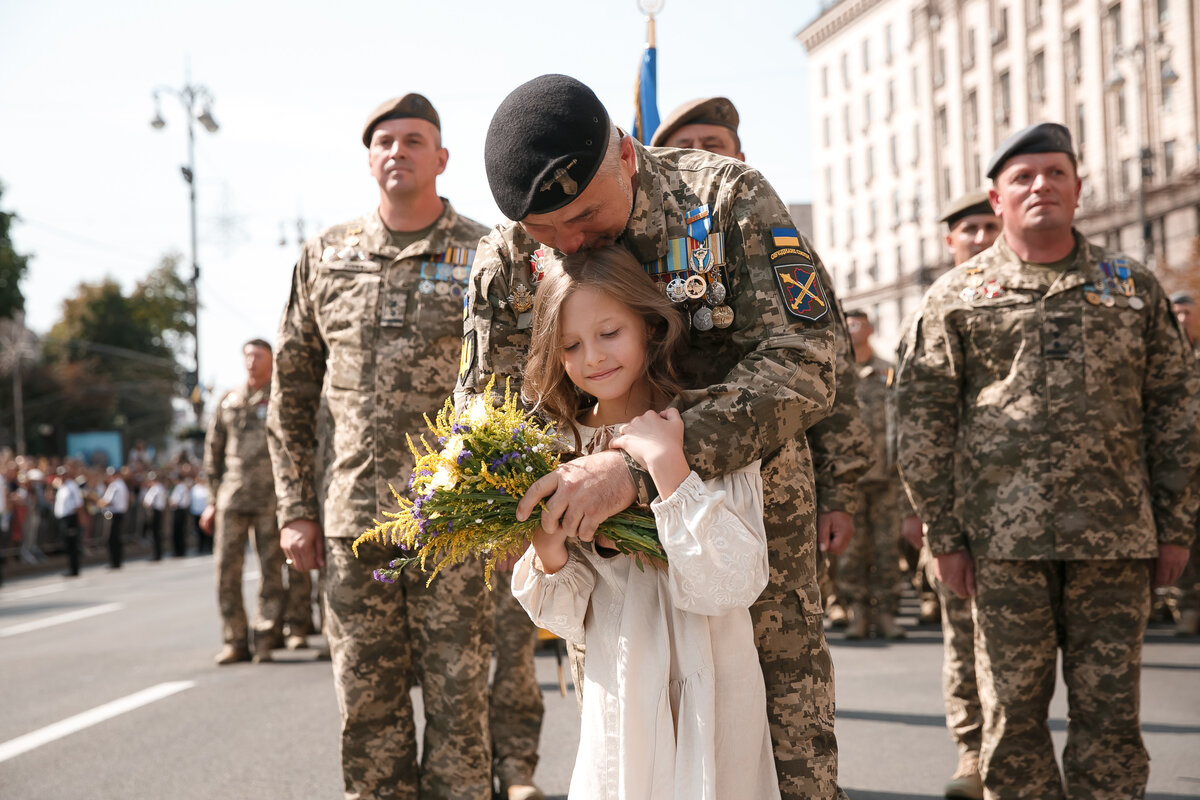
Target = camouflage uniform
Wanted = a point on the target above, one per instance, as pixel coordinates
(869, 570)
(516, 699)
(375, 330)
(239, 473)
(769, 377)
(1189, 583)
(1068, 422)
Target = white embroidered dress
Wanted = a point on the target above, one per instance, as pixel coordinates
(673, 701)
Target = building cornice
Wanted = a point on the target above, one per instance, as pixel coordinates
(832, 20)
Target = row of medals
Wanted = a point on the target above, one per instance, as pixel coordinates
(447, 280)
(703, 284)
(1113, 290)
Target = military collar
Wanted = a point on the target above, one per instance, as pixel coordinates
(1009, 270)
(377, 240)
(646, 231)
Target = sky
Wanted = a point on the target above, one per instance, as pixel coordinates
(98, 192)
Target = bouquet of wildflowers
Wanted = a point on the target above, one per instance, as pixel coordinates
(465, 492)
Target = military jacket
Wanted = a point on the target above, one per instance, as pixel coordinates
(377, 330)
(842, 449)
(235, 452)
(751, 386)
(1066, 409)
(874, 399)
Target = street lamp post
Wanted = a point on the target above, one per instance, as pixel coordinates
(197, 105)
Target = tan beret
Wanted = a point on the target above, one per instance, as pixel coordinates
(975, 202)
(410, 105)
(703, 111)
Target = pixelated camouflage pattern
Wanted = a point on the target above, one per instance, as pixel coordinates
(1072, 424)
(868, 572)
(1097, 612)
(387, 353)
(383, 639)
(236, 460)
(298, 614)
(233, 529)
(516, 699)
(1189, 582)
(874, 395)
(841, 443)
(768, 378)
(960, 689)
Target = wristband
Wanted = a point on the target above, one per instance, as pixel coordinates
(647, 492)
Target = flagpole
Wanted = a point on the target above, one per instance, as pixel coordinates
(646, 93)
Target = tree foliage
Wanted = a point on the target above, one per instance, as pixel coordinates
(12, 268)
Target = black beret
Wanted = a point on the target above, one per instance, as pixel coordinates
(705, 111)
(544, 145)
(411, 105)
(975, 202)
(1182, 299)
(1044, 137)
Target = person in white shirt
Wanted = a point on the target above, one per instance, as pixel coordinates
(68, 502)
(181, 501)
(115, 503)
(155, 503)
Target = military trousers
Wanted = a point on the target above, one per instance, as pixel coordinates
(384, 638)
(516, 699)
(1189, 581)
(233, 530)
(298, 611)
(869, 571)
(1096, 613)
(960, 691)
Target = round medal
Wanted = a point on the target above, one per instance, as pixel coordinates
(1137, 303)
(443, 272)
(716, 294)
(967, 294)
(425, 286)
(976, 281)
(328, 253)
(441, 287)
(1108, 300)
(695, 287)
(1122, 301)
(459, 273)
(676, 290)
(351, 240)
(1092, 298)
(722, 316)
(703, 319)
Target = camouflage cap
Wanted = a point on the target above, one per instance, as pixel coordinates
(702, 111)
(1043, 137)
(410, 105)
(544, 145)
(1182, 299)
(975, 202)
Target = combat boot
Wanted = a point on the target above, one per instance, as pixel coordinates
(860, 622)
(888, 627)
(230, 654)
(1189, 623)
(838, 618)
(966, 782)
(296, 642)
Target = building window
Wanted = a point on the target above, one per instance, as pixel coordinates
(1168, 158)
(916, 201)
(891, 98)
(946, 191)
(893, 154)
(870, 166)
(972, 114)
(873, 272)
(873, 217)
(850, 175)
(866, 112)
(1164, 11)
(849, 227)
(887, 43)
(969, 49)
(916, 85)
(939, 67)
(1075, 54)
(827, 131)
(866, 55)
(1121, 107)
(1034, 16)
(1114, 23)
(916, 144)
(825, 81)
(943, 127)
(895, 208)
(1037, 78)
(1000, 32)
(852, 277)
(1126, 175)
(845, 70)
(829, 184)
(1080, 128)
(832, 232)
(846, 123)
(1003, 98)
(899, 260)
(1164, 68)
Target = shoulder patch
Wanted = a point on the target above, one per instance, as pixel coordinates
(801, 290)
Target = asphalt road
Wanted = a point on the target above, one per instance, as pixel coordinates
(109, 691)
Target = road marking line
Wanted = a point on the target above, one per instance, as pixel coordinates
(59, 619)
(57, 730)
(37, 591)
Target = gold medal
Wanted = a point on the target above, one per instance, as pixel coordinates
(1107, 300)
(722, 316)
(695, 287)
(1092, 298)
(521, 299)
(352, 240)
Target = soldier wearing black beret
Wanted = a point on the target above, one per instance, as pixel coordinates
(720, 243)
(1048, 437)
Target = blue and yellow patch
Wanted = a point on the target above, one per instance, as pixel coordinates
(801, 290)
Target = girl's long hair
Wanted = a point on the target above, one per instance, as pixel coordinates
(614, 271)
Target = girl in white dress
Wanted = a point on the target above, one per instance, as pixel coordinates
(673, 697)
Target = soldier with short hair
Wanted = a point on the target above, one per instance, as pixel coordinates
(1048, 438)
(372, 326)
(1183, 305)
(759, 365)
(241, 504)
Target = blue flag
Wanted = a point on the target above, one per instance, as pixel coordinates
(645, 100)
